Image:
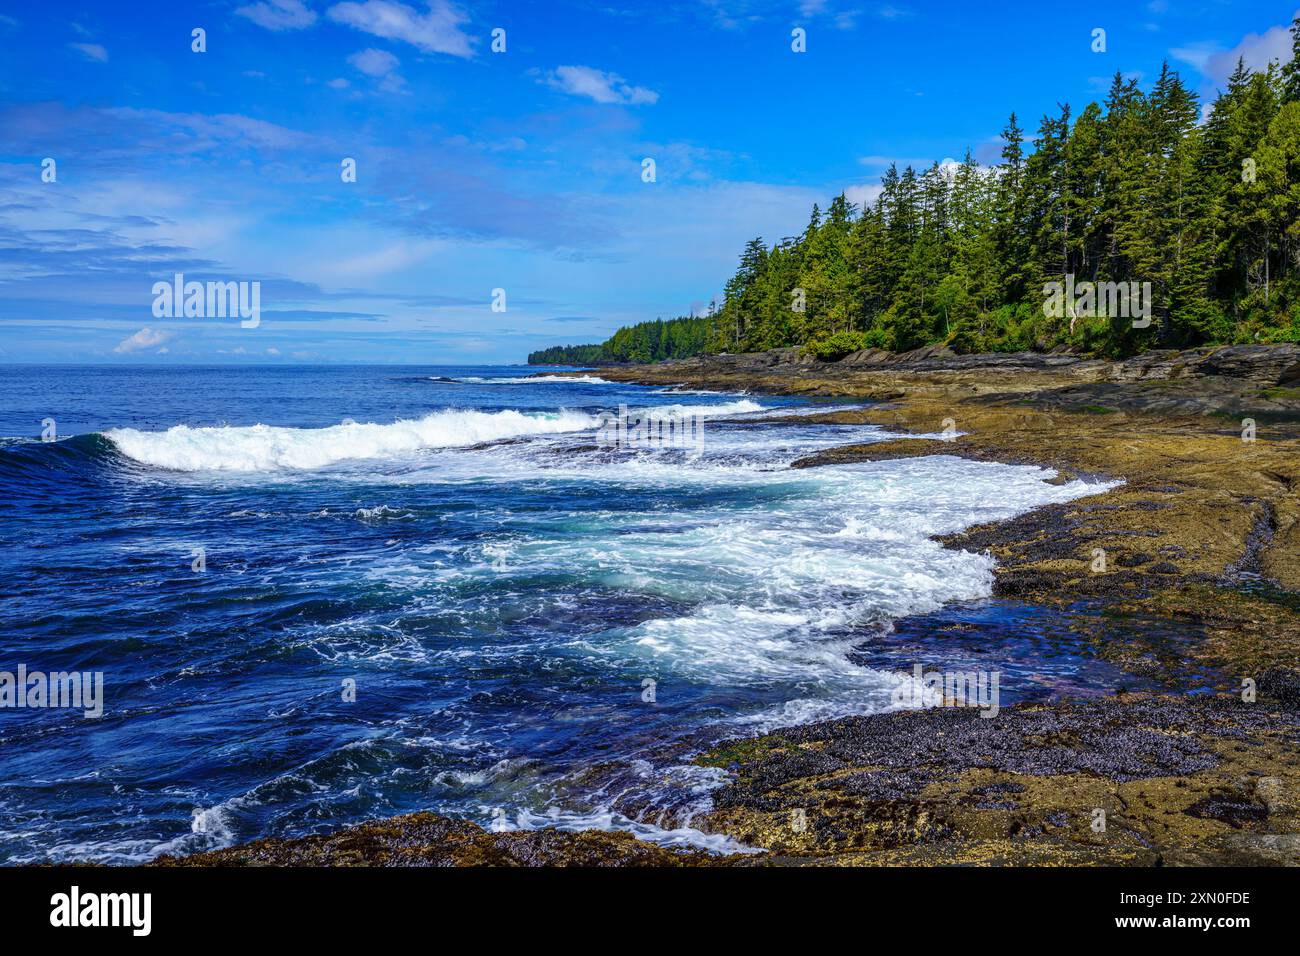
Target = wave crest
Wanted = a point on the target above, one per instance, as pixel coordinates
(271, 448)
(250, 448)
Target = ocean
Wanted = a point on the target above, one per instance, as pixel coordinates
(318, 596)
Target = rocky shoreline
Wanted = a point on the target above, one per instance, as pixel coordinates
(1203, 534)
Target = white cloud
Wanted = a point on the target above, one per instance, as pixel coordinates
(196, 132)
(91, 51)
(146, 338)
(1196, 54)
(279, 14)
(598, 85)
(1256, 50)
(382, 66)
(438, 31)
(374, 62)
(864, 195)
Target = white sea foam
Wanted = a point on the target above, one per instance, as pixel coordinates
(531, 379)
(380, 513)
(683, 390)
(676, 838)
(269, 447)
(803, 566)
(742, 407)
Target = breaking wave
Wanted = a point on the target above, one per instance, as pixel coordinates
(270, 448)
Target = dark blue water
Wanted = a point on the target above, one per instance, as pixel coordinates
(538, 629)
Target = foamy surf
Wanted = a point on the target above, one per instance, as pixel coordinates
(272, 448)
(673, 838)
(534, 379)
(742, 407)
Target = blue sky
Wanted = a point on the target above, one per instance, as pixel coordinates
(479, 170)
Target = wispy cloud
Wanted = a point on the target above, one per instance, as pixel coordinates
(146, 338)
(279, 14)
(382, 66)
(598, 85)
(438, 31)
(198, 132)
(374, 62)
(739, 14)
(1196, 54)
(91, 51)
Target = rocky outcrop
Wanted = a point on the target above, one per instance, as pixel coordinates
(427, 839)
(1263, 366)
(1127, 780)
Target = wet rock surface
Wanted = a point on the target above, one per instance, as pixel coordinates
(1118, 780)
(426, 839)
